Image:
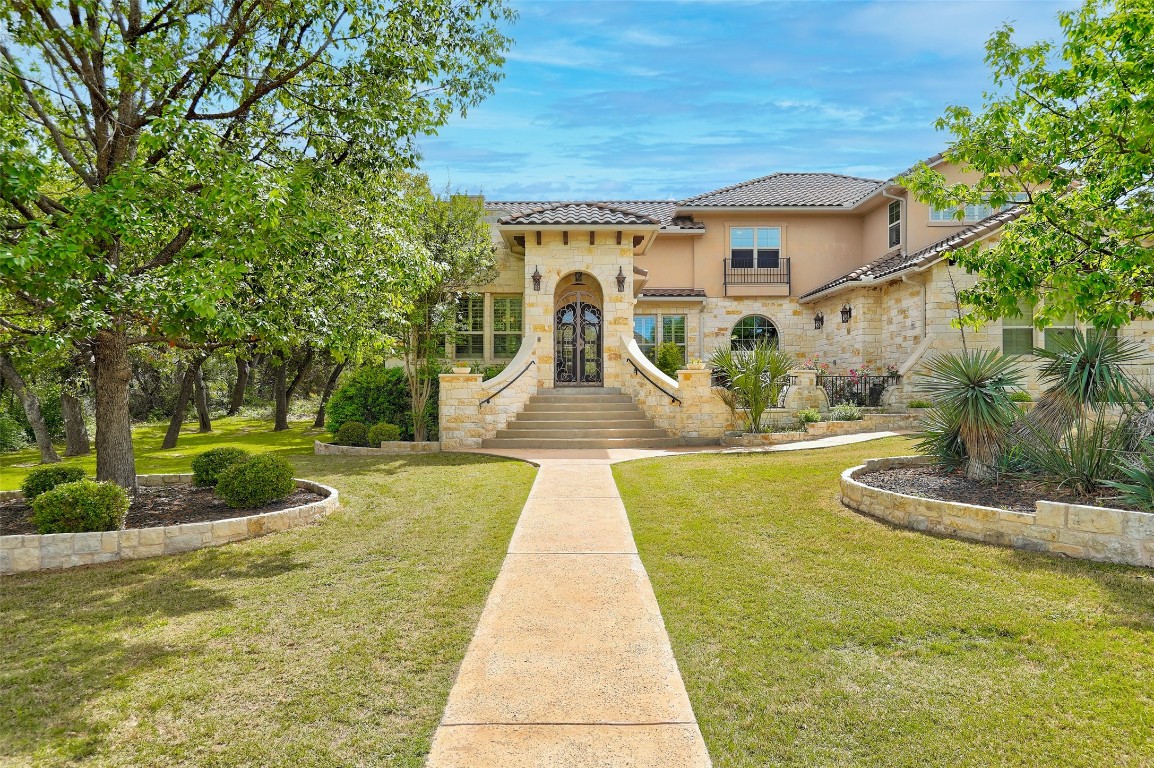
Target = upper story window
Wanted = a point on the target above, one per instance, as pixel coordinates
(751, 247)
(895, 223)
(970, 213)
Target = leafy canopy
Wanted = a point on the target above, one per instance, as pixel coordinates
(1071, 128)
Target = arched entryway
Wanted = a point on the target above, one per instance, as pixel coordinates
(578, 332)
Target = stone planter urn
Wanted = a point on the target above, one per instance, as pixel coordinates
(461, 368)
(696, 365)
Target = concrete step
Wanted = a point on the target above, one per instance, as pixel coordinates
(542, 431)
(583, 400)
(605, 410)
(571, 421)
(577, 391)
(555, 443)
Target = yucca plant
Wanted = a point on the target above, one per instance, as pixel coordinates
(939, 439)
(972, 390)
(756, 376)
(1136, 484)
(1085, 458)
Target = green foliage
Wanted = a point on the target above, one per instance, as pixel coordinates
(352, 433)
(1069, 127)
(921, 404)
(941, 440)
(375, 393)
(669, 359)
(809, 416)
(43, 479)
(1019, 396)
(80, 506)
(1091, 367)
(383, 433)
(1085, 458)
(207, 466)
(846, 412)
(490, 371)
(755, 376)
(971, 389)
(256, 481)
(1136, 486)
(12, 435)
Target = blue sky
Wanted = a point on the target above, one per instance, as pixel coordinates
(661, 100)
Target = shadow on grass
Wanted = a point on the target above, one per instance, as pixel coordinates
(1130, 588)
(73, 637)
(379, 466)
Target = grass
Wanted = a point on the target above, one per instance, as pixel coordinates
(255, 435)
(332, 645)
(809, 635)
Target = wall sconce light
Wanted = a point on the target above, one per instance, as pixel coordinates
(846, 313)
(818, 321)
(578, 278)
(536, 279)
(620, 279)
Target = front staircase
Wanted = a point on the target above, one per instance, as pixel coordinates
(581, 417)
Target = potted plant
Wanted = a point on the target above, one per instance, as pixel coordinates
(696, 364)
(461, 368)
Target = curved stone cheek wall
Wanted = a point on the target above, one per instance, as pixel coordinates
(27, 553)
(1085, 532)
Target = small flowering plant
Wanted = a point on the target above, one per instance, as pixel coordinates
(892, 371)
(815, 364)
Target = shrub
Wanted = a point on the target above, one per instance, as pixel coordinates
(809, 416)
(846, 412)
(12, 437)
(352, 433)
(80, 506)
(256, 481)
(491, 371)
(383, 433)
(44, 479)
(921, 404)
(207, 466)
(1137, 487)
(1021, 397)
(669, 359)
(375, 393)
(754, 377)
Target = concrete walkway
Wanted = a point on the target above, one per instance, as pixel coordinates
(570, 665)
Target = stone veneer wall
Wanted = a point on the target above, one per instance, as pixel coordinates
(700, 416)
(464, 421)
(1085, 532)
(32, 552)
(387, 448)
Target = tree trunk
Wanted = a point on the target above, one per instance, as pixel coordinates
(238, 389)
(32, 412)
(75, 430)
(115, 461)
(187, 382)
(302, 371)
(280, 395)
(330, 385)
(200, 397)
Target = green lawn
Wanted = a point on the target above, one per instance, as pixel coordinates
(255, 435)
(809, 635)
(332, 645)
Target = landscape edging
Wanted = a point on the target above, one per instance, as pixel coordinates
(1088, 533)
(388, 448)
(27, 553)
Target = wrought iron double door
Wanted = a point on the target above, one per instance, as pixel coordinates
(577, 333)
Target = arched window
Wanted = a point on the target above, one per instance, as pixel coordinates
(752, 330)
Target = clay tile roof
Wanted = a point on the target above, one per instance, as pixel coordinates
(660, 210)
(789, 190)
(671, 293)
(892, 263)
(577, 213)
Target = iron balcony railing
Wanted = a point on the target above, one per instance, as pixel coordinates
(750, 275)
(855, 390)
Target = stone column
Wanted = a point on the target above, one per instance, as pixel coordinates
(460, 413)
(806, 393)
(702, 413)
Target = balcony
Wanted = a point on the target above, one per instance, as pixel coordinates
(756, 281)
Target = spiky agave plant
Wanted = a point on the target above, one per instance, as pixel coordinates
(755, 375)
(972, 392)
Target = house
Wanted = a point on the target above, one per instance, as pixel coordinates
(851, 270)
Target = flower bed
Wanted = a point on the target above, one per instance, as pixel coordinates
(1074, 530)
(31, 552)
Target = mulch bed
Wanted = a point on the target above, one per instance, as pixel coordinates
(164, 505)
(1014, 494)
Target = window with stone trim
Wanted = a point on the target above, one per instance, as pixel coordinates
(645, 334)
(469, 338)
(650, 331)
(1018, 331)
(751, 331)
(508, 325)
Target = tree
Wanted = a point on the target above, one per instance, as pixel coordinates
(151, 150)
(1071, 130)
(451, 231)
(31, 404)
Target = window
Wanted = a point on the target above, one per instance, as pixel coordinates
(507, 325)
(1018, 331)
(470, 335)
(649, 331)
(1062, 328)
(752, 330)
(895, 223)
(758, 247)
(970, 213)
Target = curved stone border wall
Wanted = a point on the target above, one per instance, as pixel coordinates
(1088, 533)
(390, 448)
(870, 422)
(35, 552)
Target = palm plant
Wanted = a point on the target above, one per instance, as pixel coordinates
(756, 377)
(971, 389)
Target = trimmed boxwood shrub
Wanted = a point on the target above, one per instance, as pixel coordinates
(383, 433)
(352, 433)
(44, 479)
(375, 393)
(79, 507)
(256, 481)
(207, 466)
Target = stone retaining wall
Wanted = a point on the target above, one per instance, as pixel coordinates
(388, 448)
(870, 422)
(700, 416)
(1085, 532)
(27, 553)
